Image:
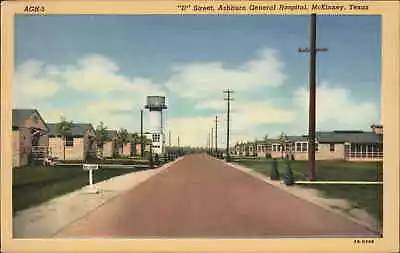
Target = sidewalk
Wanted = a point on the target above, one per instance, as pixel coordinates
(338, 206)
(47, 219)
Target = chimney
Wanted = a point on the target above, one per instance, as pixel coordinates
(378, 129)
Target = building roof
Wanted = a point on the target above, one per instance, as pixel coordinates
(337, 137)
(78, 129)
(349, 136)
(19, 116)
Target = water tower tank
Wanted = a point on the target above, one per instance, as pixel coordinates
(155, 103)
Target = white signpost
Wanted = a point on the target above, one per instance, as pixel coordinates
(90, 168)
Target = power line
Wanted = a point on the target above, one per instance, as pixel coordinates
(312, 79)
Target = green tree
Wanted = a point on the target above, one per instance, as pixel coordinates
(135, 141)
(266, 143)
(122, 138)
(101, 136)
(63, 129)
(282, 141)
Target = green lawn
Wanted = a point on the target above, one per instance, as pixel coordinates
(34, 185)
(367, 197)
(325, 170)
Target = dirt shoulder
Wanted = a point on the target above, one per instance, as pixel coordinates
(339, 206)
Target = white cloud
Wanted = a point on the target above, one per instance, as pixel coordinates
(191, 130)
(216, 104)
(33, 83)
(203, 83)
(96, 111)
(36, 83)
(258, 112)
(245, 120)
(206, 80)
(97, 73)
(336, 109)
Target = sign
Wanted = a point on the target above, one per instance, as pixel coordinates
(90, 168)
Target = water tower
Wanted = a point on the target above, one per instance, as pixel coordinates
(156, 105)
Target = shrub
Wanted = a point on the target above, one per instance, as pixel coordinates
(157, 159)
(289, 177)
(274, 171)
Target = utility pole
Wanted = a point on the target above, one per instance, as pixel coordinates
(178, 140)
(141, 134)
(216, 136)
(208, 141)
(212, 139)
(312, 106)
(229, 99)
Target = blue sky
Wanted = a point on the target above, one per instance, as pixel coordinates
(97, 67)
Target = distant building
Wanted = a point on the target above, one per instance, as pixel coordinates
(378, 129)
(344, 145)
(147, 143)
(29, 132)
(110, 146)
(79, 144)
(130, 148)
(146, 148)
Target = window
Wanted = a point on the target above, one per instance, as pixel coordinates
(298, 147)
(156, 137)
(304, 147)
(346, 150)
(275, 147)
(365, 150)
(69, 141)
(332, 147)
(289, 147)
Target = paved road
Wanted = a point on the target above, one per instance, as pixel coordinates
(200, 196)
